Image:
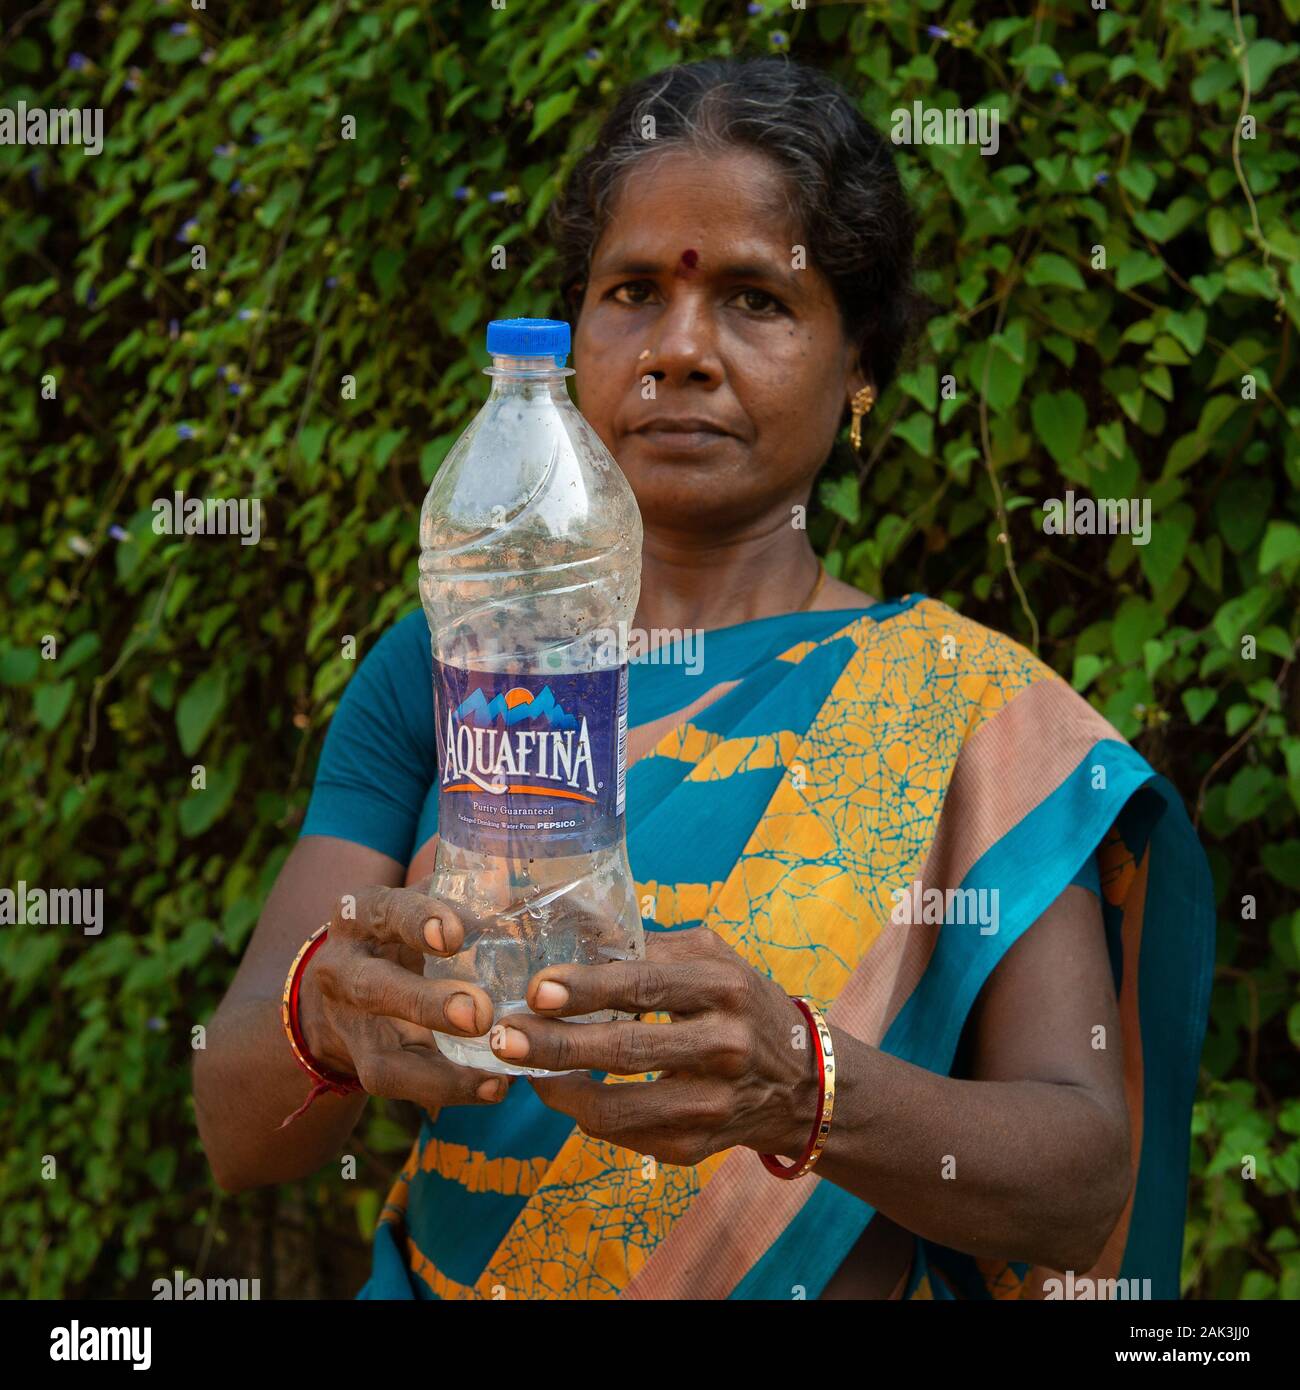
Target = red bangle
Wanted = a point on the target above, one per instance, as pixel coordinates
(825, 1099)
(326, 1081)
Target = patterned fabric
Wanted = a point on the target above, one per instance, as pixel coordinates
(829, 760)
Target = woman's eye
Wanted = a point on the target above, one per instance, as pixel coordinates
(633, 292)
(759, 301)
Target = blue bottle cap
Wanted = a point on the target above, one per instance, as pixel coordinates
(529, 338)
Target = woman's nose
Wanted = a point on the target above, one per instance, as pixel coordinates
(684, 341)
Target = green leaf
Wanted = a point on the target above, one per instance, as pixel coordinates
(1059, 421)
(386, 266)
(18, 665)
(554, 108)
(841, 496)
(1281, 544)
(918, 431)
(1047, 268)
(1198, 702)
(198, 709)
(201, 809)
(1039, 55)
(1189, 329)
(1167, 544)
(1138, 180)
(1137, 621)
(1225, 235)
(51, 703)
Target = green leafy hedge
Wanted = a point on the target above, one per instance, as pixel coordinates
(1162, 374)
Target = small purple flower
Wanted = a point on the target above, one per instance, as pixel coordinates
(593, 55)
(91, 297)
(245, 314)
(1059, 78)
(257, 139)
(331, 282)
(496, 196)
(185, 431)
(1102, 177)
(779, 38)
(221, 372)
(78, 62)
(936, 32)
(174, 327)
(207, 55)
(752, 8)
(118, 534)
(180, 27)
(131, 84)
(672, 26)
(461, 195)
(225, 151)
(36, 177)
(237, 186)
(155, 1025)
(235, 388)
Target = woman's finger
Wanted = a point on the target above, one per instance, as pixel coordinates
(383, 988)
(403, 917)
(633, 986)
(623, 1049)
(427, 1079)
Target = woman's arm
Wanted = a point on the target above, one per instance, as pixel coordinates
(1038, 1141)
(1029, 1159)
(246, 1080)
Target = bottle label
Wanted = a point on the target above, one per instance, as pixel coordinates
(530, 765)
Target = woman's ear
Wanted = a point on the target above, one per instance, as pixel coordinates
(856, 378)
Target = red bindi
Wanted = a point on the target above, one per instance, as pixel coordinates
(690, 259)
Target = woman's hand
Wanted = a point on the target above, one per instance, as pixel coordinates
(366, 1009)
(736, 1063)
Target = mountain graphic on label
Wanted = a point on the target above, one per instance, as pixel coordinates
(516, 706)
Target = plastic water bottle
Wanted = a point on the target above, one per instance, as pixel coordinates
(530, 570)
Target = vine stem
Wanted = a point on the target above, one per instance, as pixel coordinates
(1236, 132)
(986, 441)
(1246, 735)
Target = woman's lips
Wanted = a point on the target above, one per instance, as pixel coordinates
(683, 436)
(663, 441)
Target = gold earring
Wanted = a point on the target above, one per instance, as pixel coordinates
(861, 405)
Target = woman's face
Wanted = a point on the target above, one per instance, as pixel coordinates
(695, 284)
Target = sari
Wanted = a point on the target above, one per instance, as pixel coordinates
(823, 764)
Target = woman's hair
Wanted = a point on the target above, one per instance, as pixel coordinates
(842, 189)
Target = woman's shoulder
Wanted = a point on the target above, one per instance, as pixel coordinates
(936, 653)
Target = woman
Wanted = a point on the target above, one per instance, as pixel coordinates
(882, 807)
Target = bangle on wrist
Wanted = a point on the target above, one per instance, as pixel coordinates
(326, 1081)
(824, 1049)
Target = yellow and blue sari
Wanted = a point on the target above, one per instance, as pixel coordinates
(821, 761)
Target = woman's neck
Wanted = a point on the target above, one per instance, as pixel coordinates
(689, 581)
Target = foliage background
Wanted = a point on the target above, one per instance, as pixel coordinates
(372, 257)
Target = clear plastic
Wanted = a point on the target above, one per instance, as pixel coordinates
(530, 565)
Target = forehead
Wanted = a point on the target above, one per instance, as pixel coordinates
(735, 201)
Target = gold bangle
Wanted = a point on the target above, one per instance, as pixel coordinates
(825, 1102)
